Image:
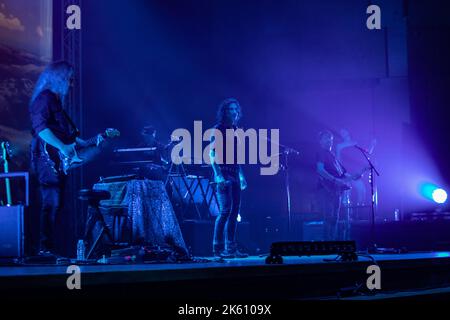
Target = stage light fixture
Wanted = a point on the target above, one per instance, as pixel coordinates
(433, 192)
(345, 249)
(439, 195)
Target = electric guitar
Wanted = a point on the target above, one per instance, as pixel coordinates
(345, 182)
(86, 152)
(6, 154)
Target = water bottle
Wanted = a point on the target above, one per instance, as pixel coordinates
(397, 215)
(81, 249)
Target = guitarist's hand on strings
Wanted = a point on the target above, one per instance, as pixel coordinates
(68, 150)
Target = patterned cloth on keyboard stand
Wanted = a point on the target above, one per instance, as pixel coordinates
(153, 220)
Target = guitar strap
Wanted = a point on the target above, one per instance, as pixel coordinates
(72, 124)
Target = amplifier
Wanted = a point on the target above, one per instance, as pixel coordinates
(11, 231)
(427, 216)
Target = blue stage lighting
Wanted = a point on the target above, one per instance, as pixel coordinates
(426, 190)
(439, 195)
(433, 192)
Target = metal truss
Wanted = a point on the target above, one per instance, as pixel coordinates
(71, 52)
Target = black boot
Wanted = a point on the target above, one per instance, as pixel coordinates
(227, 255)
(233, 251)
(239, 254)
(217, 250)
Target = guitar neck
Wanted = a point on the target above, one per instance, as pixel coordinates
(8, 192)
(92, 141)
(6, 170)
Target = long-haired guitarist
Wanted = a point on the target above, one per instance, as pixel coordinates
(54, 134)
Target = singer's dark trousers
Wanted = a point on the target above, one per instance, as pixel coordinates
(51, 185)
(229, 201)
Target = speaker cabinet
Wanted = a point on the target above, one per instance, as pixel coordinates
(11, 231)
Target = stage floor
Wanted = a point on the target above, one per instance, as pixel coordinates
(296, 278)
(214, 263)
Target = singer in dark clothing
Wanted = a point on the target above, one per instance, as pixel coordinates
(230, 181)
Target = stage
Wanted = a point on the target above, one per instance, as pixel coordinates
(299, 278)
(144, 137)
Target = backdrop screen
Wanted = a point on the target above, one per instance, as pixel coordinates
(25, 48)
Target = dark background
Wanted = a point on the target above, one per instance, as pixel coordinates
(300, 66)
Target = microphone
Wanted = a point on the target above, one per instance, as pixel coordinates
(291, 151)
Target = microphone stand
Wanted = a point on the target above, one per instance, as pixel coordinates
(286, 152)
(372, 247)
(287, 183)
